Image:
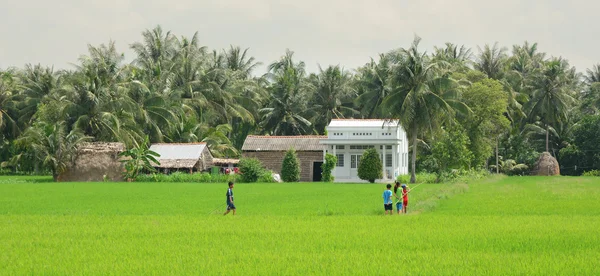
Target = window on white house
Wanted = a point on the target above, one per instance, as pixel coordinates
(388, 160)
(339, 147)
(354, 160)
(340, 160)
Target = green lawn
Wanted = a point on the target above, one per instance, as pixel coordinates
(499, 226)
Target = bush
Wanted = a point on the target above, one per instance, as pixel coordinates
(520, 169)
(251, 169)
(290, 168)
(370, 167)
(592, 173)
(266, 177)
(327, 167)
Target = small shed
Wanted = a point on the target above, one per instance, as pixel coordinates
(95, 162)
(270, 150)
(191, 157)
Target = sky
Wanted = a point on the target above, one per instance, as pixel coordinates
(320, 32)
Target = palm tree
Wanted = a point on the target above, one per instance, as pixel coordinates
(551, 97)
(218, 142)
(420, 98)
(284, 114)
(373, 86)
(155, 58)
(593, 75)
(240, 63)
(453, 58)
(7, 92)
(52, 145)
(491, 61)
(38, 84)
(101, 105)
(332, 91)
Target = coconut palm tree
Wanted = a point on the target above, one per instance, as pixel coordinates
(101, 105)
(155, 58)
(592, 75)
(420, 97)
(240, 63)
(52, 145)
(491, 61)
(551, 98)
(284, 114)
(332, 94)
(453, 58)
(372, 84)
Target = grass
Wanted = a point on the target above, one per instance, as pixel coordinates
(501, 225)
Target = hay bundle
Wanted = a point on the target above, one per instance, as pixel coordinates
(95, 162)
(546, 165)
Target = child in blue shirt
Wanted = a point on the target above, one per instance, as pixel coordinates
(387, 200)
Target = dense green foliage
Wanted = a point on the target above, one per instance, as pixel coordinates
(290, 167)
(518, 102)
(370, 166)
(251, 169)
(166, 228)
(139, 158)
(327, 167)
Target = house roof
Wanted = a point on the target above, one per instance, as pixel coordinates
(363, 123)
(283, 143)
(178, 155)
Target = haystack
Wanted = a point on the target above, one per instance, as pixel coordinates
(546, 165)
(94, 162)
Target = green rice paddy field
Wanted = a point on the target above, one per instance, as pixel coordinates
(499, 226)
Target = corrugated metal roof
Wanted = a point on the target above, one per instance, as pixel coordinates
(178, 150)
(362, 123)
(283, 143)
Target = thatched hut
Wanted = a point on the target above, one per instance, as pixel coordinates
(546, 165)
(95, 162)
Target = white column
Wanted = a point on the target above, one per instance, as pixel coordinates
(334, 167)
(384, 174)
(394, 161)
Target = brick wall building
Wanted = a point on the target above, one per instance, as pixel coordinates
(270, 150)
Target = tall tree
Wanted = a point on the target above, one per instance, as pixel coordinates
(420, 98)
(551, 98)
(491, 61)
(372, 85)
(331, 96)
(284, 114)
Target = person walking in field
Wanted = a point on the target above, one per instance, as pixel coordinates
(387, 200)
(398, 198)
(230, 205)
(405, 191)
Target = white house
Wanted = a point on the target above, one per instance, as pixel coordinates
(347, 139)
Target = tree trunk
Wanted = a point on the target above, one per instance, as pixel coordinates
(54, 175)
(413, 175)
(547, 131)
(497, 169)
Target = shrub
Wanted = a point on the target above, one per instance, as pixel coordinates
(266, 177)
(250, 169)
(520, 169)
(327, 167)
(592, 173)
(370, 167)
(290, 168)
